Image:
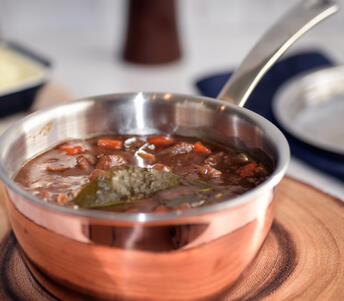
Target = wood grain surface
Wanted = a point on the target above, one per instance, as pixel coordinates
(301, 259)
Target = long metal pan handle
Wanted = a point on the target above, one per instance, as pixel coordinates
(272, 45)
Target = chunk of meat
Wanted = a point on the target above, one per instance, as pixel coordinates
(160, 166)
(178, 149)
(90, 158)
(106, 162)
(83, 163)
(58, 166)
(190, 171)
(214, 159)
(210, 172)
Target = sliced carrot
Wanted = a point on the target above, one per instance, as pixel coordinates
(246, 170)
(71, 149)
(199, 147)
(148, 157)
(110, 143)
(161, 140)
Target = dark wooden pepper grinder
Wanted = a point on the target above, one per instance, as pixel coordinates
(152, 35)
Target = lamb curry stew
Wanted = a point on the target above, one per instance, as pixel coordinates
(140, 173)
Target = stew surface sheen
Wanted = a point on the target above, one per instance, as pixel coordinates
(58, 174)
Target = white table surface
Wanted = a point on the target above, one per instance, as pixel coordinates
(84, 40)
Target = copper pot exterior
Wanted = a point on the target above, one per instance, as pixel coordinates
(187, 260)
(191, 255)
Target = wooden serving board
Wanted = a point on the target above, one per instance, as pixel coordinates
(301, 259)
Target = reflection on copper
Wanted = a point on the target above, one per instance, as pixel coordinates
(167, 96)
(189, 258)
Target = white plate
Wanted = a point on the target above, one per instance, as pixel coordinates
(311, 108)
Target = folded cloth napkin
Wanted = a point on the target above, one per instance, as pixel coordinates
(263, 95)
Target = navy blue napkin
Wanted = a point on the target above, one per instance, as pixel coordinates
(262, 97)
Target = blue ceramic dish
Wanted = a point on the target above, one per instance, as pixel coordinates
(19, 98)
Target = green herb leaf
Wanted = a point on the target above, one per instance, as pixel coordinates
(125, 185)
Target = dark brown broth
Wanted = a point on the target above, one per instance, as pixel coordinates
(57, 176)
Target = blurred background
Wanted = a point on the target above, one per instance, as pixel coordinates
(85, 41)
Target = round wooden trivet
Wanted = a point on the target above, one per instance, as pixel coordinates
(301, 259)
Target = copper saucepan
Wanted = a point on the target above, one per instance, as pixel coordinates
(192, 255)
